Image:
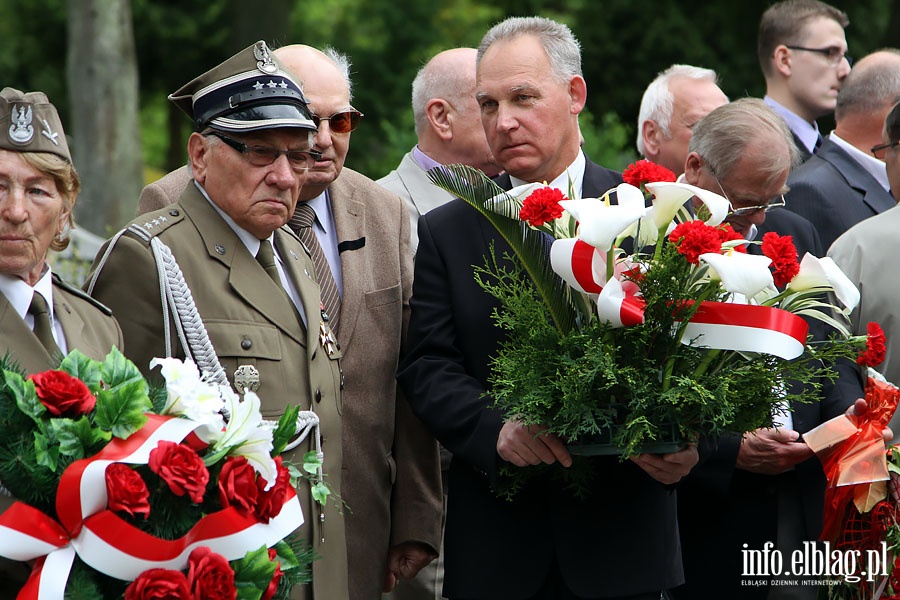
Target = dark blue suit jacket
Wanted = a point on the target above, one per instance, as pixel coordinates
(834, 192)
(495, 548)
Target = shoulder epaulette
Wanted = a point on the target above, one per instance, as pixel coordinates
(58, 282)
(154, 223)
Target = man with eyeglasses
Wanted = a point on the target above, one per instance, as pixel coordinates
(867, 253)
(765, 486)
(220, 263)
(803, 54)
(844, 182)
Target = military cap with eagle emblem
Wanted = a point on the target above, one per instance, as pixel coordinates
(248, 92)
(29, 123)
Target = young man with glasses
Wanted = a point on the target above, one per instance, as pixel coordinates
(803, 54)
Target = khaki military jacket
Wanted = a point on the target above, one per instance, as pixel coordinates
(250, 322)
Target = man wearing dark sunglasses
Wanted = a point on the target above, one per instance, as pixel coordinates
(803, 54)
(845, 182)
(391, 479)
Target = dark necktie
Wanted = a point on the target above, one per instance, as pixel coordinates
(301, 222)
(265, 256)
(43, 329)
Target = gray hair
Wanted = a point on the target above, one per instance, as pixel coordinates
(563, 50)
(658, 102)
(869, 88)
(342, 62)
(722, 137)
(438, 82)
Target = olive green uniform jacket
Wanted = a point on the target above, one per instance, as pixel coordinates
(250, 321)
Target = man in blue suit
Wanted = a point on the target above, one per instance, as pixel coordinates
(545, 543)
(843, 183)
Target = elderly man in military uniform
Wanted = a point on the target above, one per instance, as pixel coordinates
(216, 276)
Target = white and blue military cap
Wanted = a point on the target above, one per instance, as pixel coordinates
(248, 92)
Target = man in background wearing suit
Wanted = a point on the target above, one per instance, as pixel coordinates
(250, 279)
(545, 543)
(449, 131)
(843, 183)
(802, 51)
(391, 477)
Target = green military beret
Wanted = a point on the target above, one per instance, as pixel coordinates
(248, 92)
(29, 123)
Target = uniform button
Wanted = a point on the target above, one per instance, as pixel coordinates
(318, 395)
(173, 212)
(246, 343)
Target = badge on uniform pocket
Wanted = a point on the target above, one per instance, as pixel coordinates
(246, 379)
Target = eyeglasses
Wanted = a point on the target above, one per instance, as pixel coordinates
(833, 54)
(262, 156)
(776, 202)
(880, 150)
(341, 122)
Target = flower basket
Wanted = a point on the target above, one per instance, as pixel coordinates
(626, 352)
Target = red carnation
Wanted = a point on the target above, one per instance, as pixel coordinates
(237, 484)
(269, 503)
(126, 491)
(276, 577)
(694, 238)
(181, 468)
(542, 205)
(780, 248)
(210, 576)
(62, 394)
(728, 234)
(643, 171)
(875, 346)
(159, 584)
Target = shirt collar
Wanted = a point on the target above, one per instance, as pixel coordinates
(19, 294)
(423, 160)
(872, 165)
(807, 132)
(322, 207)
(574, 175)
(250, 241)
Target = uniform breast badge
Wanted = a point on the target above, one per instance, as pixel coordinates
(246, 379)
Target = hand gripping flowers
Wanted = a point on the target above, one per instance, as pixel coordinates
(112, 498)
(686, 334)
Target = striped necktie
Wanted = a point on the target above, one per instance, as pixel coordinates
(43, 329)
(301, 222)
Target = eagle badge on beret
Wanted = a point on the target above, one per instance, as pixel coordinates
(20, 129)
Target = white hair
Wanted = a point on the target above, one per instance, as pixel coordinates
(342, 62)
(658, 102)
(558, 41)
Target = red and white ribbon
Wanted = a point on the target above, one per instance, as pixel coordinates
(715, 325)
(108, 543)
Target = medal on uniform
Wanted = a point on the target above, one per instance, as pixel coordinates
(246, 378)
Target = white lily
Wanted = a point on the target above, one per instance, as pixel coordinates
(188, 395)
(600, 222)
(746, 274)
(824, 273)
(247, 435)
(669, 196)
(511, 202)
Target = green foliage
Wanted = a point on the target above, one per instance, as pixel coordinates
(285, 430)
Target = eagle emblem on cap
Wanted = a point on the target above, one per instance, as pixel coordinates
(20, 129)
(264, 60)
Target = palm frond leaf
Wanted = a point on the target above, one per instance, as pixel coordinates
(529, 245)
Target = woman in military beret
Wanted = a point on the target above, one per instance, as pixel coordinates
(41, 317)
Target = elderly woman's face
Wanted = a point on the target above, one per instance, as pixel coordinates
(32, 213)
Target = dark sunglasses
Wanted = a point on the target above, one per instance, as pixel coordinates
(341, 122)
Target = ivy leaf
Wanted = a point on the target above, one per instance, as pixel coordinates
(117, 371)
(311, 462)
(320, 492)
(121, 410)
(252, 574)
(76, 438)
(285, 430)
(84, 368)
(25, 395)
(45, 451)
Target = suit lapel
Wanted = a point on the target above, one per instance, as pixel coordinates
(873, 194)
(424, 194)
(245, 276)
(350, 224)
(29, 353)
